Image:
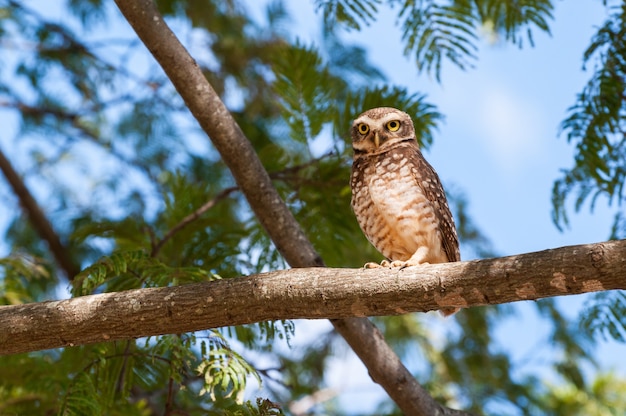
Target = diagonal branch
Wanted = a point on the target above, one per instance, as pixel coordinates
(254, 182)
(226, 135)
(312, 293)
(38, 218)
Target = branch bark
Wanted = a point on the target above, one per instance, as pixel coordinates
(38, 219)
(254, 182)
(312, 293)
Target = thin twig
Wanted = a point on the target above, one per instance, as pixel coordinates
(291, 171)
(190, 218)
(122, 376)
(169, 403)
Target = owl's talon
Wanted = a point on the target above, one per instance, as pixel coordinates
(372, 265)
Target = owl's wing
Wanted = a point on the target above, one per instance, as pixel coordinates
(434, 192)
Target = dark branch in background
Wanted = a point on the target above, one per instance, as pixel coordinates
(72, 43)
(39, 111)
(38, 219)
(272, 212)
(291, 173)
(74, 120)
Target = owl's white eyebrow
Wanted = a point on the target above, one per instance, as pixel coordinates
(368, 119)
(363, 119)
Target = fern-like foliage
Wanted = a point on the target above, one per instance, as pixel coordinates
(305, 87)
(432, 32)
(224, 372)
(125, 270)
(438, 31)
(352, 13)
(514, 20)
(605, 315)
(596, 125)
(23, 279)
(80, 398)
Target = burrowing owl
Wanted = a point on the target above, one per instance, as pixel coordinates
(396, 195)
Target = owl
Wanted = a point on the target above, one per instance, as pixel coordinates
(396, 195)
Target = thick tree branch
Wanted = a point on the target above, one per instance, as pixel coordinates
(38, 219)
(254, 182)
(312, 293)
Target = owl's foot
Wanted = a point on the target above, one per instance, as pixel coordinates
(402, 264)
(372, 265)
(392, 264)
(399, 263)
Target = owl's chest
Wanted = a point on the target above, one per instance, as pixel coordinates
(391, 207)
(392, 182)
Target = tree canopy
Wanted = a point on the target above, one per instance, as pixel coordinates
(111, 186)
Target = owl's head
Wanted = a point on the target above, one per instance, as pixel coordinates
(380, 129)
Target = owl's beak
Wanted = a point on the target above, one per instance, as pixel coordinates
(376, 140)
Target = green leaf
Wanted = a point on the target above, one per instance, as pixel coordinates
(432, 32)
(351, 13)
(225, 371)
(595, 125)
(605, 316)
(304, 86)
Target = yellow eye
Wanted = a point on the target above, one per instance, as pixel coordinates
(363, 128)
(393, 125)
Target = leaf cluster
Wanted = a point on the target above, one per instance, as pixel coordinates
(595, 125)
(437, 31)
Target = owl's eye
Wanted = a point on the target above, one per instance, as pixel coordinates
(393, 125)
(363, 128)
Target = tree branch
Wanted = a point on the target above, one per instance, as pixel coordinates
(312, 293)
(254, 182)
(38, 219)
(226, 135)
